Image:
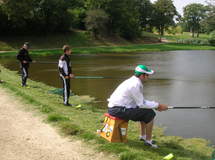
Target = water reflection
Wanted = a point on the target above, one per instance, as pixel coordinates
(183, 78)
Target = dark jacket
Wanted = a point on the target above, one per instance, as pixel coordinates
(23, 55)
(64, 65)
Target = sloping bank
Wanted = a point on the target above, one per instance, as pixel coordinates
(119, 49)
(83, 122)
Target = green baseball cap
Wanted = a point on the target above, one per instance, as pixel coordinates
(140, 69)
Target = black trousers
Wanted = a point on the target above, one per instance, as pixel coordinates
(66, 89)
(134, 114)
(24, 71)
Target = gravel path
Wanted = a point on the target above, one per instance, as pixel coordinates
(25, 137)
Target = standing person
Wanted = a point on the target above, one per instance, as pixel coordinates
(127, 102)
(1, 81)
(25, 59)
(65, 70)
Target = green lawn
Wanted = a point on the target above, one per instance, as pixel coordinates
(81, 42)
(185, 35)
(56, 40)
(120, 49)
(75, 39)
(83, 122)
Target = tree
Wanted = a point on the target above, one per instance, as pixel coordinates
(50, 16)
(123, 16)
(41, 16)
(145, 10)
(96, 22)
(17, 12)
(193, 15)
(3, 19)
(163, 15)
(209, 21)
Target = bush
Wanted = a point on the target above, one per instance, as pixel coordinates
(70, 129)
(56, 117)
(194, 41)
(212, 38)
(27, 16)
(96, 22)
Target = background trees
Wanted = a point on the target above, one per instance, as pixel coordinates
(25, 16)
(209, 21)
(96, 22)
(125, 18)
(193, 16)
(163, 15)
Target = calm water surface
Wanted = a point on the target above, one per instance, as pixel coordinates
(183, 78)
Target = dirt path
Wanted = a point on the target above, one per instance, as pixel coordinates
(25, 137)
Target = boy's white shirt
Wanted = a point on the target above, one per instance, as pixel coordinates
(129, 94)
(62, 64)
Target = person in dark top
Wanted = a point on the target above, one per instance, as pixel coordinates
(25, 59)
(1, 81)
(65, 71)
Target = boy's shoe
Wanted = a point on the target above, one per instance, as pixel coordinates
(68, 104)
(150, 144)
(143, 139)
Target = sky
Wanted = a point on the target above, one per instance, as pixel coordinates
(179, 4)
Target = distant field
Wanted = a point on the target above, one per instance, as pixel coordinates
(81, 42)
(75, 39)
(119, 49)
(185, 35)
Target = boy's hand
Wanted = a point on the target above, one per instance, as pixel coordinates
(162, 107)
(66, 77)
(71, 75)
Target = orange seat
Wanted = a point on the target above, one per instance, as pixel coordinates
(114, 129)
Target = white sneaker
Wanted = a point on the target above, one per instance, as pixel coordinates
(150, 144)
(143, 138)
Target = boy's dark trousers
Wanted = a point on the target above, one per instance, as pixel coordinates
(24, 71)
(66, 89)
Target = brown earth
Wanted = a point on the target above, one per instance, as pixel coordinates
(24, 136)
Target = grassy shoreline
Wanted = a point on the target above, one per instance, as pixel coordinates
(118, 49)
(83, 122)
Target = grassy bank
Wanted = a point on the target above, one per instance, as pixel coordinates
(83, 122)
(75, 39)
(119, 49)
(185, 35)
(82, 43)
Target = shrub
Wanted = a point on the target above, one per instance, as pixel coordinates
(212, 38)
(194, 41)
(70, 129)
(57, 117)
(96, 22)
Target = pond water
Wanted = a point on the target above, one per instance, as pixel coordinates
(183, 78)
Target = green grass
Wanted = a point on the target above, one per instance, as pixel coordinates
(185, 35)
(119, 49)
(83, 122)
(75, 39)
(82, 43)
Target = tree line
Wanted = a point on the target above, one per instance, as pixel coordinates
(126, 18)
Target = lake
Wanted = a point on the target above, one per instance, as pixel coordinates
(182, 78)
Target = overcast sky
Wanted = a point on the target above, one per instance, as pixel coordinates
(179, 4)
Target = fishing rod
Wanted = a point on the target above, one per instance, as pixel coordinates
(44, 62)
(52, 62)
(197, 107)
(97, 77)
